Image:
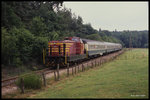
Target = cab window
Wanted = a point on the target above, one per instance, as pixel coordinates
(74, 39)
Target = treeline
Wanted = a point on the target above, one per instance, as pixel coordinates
(27, 26)
(134, 39)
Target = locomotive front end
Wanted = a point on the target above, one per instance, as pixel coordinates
(59, 51)
(69, 51)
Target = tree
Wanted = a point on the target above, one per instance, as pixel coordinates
(9, 18)
(8, 47)
(94, 37)
(38, 28)
(27, 26)
(38, 44)
(24, 42)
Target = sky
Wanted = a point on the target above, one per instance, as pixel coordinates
(112, 15)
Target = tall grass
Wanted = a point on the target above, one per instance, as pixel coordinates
(31, 81)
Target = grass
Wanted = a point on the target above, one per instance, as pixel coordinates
(124, 77)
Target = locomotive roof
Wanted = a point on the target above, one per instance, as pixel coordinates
(64, 41)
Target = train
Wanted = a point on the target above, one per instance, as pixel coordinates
(76, 49)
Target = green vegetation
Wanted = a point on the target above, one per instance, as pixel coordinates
(27, 26)
(139, 39)
(124, 77)
(31, 81)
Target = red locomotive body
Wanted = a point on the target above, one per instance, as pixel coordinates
(78, 44)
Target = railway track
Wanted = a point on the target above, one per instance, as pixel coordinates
(12, 80)
(7, 83)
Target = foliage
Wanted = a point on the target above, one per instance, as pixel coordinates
(27, 26)
(137, 39)
(9, 18)
(38, 28)
(38, 45)
(24, 42)
(9, 47)
(94, 37)
(31, 81)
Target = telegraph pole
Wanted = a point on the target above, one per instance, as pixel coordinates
(130, 42)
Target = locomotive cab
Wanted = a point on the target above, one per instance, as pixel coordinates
(79, 44)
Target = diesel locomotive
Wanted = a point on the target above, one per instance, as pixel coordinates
(76, 49)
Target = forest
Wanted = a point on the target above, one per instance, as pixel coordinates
(27, 26)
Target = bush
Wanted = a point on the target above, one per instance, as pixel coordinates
(32, 81)
(17, 62)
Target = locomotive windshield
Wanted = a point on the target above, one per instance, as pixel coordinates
(74, 39)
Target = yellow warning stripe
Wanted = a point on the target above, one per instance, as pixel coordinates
(60, 51)
(60, 46)
(60, 43)
(56, 50)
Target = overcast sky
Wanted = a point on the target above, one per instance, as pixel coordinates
(112, 15)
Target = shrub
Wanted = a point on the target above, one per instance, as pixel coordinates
(17, 62)
(32, 81)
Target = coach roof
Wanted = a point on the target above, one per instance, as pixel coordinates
(93, 42)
